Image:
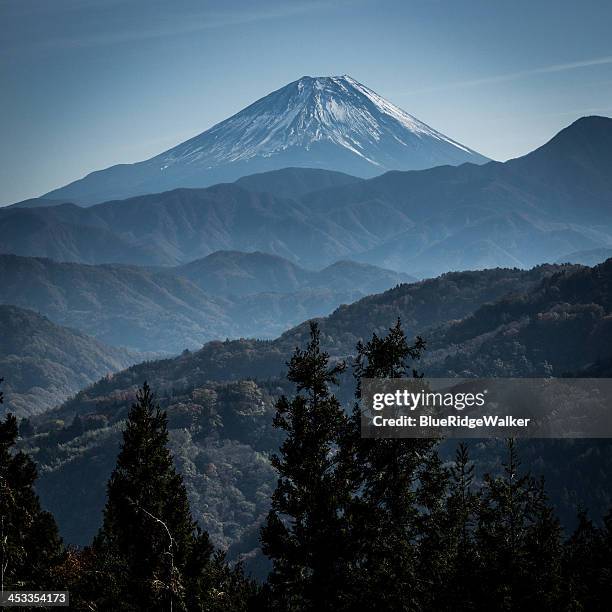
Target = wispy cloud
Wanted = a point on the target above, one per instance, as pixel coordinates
(514, 76)
(171, 23)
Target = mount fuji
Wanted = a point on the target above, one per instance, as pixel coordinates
(332, 123)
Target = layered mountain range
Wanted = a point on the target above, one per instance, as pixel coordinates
(541, 207)
(333, 123)
(220, 400)
(227, 294)
(320, 198)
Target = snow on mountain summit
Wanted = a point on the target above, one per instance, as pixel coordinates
(333, 123)
(339, 110)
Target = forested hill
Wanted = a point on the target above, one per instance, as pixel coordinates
(421, 307)
(559, 328)
(227, 294)
(494, 322)
(42, 363)
(221, 421)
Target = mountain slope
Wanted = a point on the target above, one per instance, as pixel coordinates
(120, 305)
(421, 306)
(224, 295)
(221, 425)
(561, 327)
(66, 233)
(36, 203)
(43, 364)
(334, 123)
(295, 182)
(238, 273)
(538, 208)
(577, 160)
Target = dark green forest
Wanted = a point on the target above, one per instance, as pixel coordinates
(353, 523)
(220, 400)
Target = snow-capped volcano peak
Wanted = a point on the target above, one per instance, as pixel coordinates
(333, 123)
(313, 111)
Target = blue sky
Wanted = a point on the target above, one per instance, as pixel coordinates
(88, 83)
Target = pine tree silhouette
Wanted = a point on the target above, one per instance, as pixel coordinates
(518, 542)
(583, 564)
(149, 550)
(30, 547)
(462, 507)
(304, 532)
(384, 515)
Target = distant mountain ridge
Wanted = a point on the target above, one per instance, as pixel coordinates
(332, 123)
(227, 294)
(554, 201)
(295, 182)
(239, 273)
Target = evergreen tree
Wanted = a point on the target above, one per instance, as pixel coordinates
(544, 553)
(606, 559)
(518, 542)
(381, 524)
(384, 514)
(435, 544)
(304, 534)
(149, 553)
(30, 547)
(456, 591)
(583, 562)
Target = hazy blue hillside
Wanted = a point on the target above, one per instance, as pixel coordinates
(120, 305)
(239, 273)
(295, 182)
(66, 233)
(523, 212)
(227, 294)
(37, 203)
(43, 364)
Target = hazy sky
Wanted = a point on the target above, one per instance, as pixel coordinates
(85, 84)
